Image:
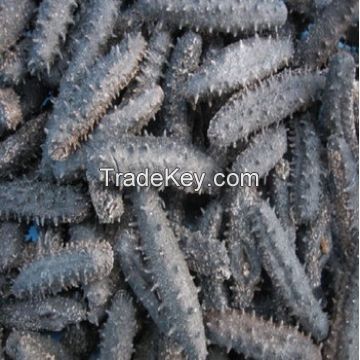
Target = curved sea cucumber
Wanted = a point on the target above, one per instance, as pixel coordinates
(76, 118)
(51, 27)
(258, 338)
(286, 272)
(77, 264)
(184, 60)
(120, 329)
(305, 171)
(227, 16)
(237, 65)
(42, 201)
(337, 114)
(96, 26)
(179, 303)
(134, 154)
(51, 314)
(270, 102)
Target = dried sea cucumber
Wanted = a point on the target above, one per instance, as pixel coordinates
(227, 16)
(17, 150)
(245, 266)
(120, 328)
(77, 264)
(131, 262)
(12, 242)
(343, 341)
(326, 32)
(343, 170)
(96, 28)
(284, 269)
(215, 294)
(30, 346)
(107, 202)
(272, 141)
(306, 170)
(238, 65)
(51, 314)
(281, 96)
(179, 303)
(14, 17)
(258, 338)
(13, 63)
(316, 244)
(168, 350)
(42, 201)
(130, 116)
(337, 115)
(151, 68)
(280, 198)
(52, 22)
(73, 119)
(10, 110)
(183, 62)
(134, 154)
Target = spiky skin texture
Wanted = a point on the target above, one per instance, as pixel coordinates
(306, 170)
(237, 65)
(326, 32)
(337, 115)
(268, 103)
(120, 329)
(130, 116)
(107, 202)
(73, 119)
(179, 303)
(43, 202)
(50, 314)
(14, 17)
(134, 154)
(245, 264)
(10, 110)
(205, 255)
(258, 338)
(52, 22)
(30, 346)
(137, 276)
(11, 235)
(343, 341)
(227, 16)
(151, 68)
(17, 150)
(184, 60)
(344, 173)
(315, 246)
(96, 28)
(13, 63)
(280, 198)
(75, 265)
(272, 142)
(287, 274)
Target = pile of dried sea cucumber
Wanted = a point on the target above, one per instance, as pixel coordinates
(265, 86)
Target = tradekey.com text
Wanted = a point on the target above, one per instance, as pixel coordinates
(175, 177)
